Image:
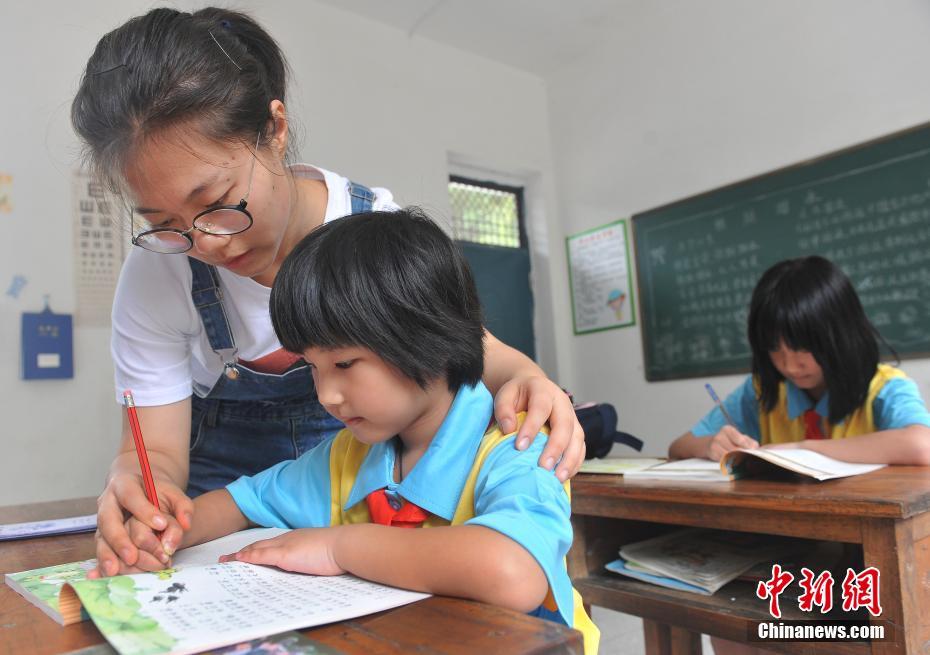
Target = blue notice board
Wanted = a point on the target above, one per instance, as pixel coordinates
(48, 346)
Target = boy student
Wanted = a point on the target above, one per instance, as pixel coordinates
(384, 309)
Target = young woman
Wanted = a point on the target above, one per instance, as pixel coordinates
(184, 116)
(816, 379)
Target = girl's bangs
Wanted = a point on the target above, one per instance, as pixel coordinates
(786, 319)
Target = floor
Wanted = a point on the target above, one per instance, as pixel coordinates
(622, 634)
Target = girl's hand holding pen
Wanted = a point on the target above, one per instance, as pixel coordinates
(729, 438)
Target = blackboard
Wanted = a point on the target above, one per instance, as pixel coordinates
(866, 208)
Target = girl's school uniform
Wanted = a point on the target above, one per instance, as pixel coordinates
(893, 402)
(469, 475)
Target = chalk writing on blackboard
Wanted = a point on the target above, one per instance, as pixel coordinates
(698, 260)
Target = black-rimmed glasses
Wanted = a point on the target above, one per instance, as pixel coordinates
(224, 220)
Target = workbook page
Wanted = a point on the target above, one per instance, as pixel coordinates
(813, 464)
(193, 609)
(42, 587)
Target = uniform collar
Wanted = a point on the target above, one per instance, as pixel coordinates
(799, 402)
(436, 482)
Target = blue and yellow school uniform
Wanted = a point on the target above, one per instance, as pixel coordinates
(893, 401)
(469, 475)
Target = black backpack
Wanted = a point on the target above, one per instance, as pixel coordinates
(599, 422)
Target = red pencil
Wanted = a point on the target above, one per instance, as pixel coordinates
(147, 479)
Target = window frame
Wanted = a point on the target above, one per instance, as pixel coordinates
(496, 186)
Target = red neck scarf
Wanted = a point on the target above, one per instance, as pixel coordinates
(812, 425)
(382, 513)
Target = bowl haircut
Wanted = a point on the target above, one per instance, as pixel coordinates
(391, 282)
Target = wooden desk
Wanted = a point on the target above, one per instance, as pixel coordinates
(884, 514)
(434, 625)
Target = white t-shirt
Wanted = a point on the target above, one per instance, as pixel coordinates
(159, 347)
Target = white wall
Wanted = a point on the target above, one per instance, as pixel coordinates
(375, 105)
(690, 96)
(687, 97)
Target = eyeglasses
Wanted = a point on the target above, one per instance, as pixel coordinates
(224, 220)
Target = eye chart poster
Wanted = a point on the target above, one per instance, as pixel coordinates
(99, 247)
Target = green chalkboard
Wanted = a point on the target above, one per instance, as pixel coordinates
(867, 208)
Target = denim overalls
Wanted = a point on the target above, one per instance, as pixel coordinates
(250, 420)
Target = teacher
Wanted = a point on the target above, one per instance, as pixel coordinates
(184, 116)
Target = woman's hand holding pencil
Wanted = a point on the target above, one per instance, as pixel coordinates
(158, 512)
(142, 541)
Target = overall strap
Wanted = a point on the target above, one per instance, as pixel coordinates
(208, 299)
(362, 197)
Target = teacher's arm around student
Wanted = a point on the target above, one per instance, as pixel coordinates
(184, 116)
(816, 379)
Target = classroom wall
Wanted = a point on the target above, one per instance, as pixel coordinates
(686, 97)
(374, 104)
(690, 96)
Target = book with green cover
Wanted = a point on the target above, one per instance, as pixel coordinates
(42, 587)
(200, 606)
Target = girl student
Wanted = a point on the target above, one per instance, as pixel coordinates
(816, 380)
(183, 115)
(418, 491)
(816, 383)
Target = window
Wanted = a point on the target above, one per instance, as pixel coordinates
(487, 213)
(488, 226)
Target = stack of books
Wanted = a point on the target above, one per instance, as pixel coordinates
(700, 560)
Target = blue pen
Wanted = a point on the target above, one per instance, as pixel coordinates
(716, 399)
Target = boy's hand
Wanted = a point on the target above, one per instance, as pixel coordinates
(122, 544)
(153, 555)
(729, 438)
(307, 550)
(150, 555)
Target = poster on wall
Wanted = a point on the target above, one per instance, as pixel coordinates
(99, 248)
(599, 278)
(47, 345)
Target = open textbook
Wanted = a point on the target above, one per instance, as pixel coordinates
(744, 462)
(200, 604)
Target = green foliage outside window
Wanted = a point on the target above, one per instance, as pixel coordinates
(484, 215)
